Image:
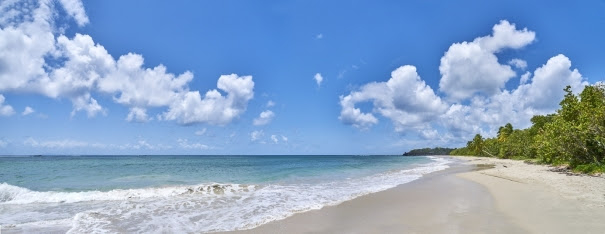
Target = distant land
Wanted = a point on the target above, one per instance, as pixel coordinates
(429, 151)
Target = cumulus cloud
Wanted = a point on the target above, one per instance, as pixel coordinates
(34, 59)
(135, 85)
(265, 117)
(75, 9)
(256, 135)
(88, 104)
(28, 110)
(318, 79)
(137, 114)
(184, 143)
(411, 105)
(469, 68)
(546, 88)
(284, 138)
(214, 108)
(525, 78)
(274, 139)
(5, 110)
(3, 143)
(538, 95)
(405, 99)
(518, 63)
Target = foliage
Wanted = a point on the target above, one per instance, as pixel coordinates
(429, 151)
(590, 168)
(574, 135)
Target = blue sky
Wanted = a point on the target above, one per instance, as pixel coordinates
(131, 77)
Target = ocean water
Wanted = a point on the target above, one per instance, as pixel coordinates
(176, 194)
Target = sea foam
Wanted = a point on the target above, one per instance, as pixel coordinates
(200, 208)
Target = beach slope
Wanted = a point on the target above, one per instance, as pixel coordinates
(541, 200)
(475, 195)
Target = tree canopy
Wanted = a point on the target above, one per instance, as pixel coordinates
(428, 151)
(574, 135)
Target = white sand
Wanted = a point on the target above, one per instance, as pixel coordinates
(437, 203)
(588, 190)
(512, 197)
(543, 201)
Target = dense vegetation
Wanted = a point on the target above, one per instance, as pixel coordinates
(574, 135)
(429, 151)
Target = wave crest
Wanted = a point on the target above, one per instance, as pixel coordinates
(10, 194)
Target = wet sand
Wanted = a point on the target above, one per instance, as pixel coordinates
(437, 203)
(475, 195)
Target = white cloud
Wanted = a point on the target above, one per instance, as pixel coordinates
(23, 45)
(270, 104)
(265, 117)
(411, 104)
(35, 60)
(318, 79)
(88, 104)
(518, 63)
(214, 108)
(3, 143)
(284, 138)
(525, 78)
(274, 139)
(5, 110)
(28, 110)
(139, 86)
(319, 36)
(200, 132)
(184, 143)
(75, 9)
(78, 144)
(546, 88)
(256, 135)
(469, 68)
(143, 144)
(137, 114)
(61, 144)
(405, 99)
(541, 96)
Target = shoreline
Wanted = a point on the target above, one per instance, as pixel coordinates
(469, 197)
(439, 202)
(541, 200)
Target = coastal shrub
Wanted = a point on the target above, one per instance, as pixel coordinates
(574, 135)
(491, 147)
(590, 168)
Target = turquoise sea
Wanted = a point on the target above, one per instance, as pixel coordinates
(153, 194)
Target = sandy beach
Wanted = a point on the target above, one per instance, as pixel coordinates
(475, 195)
(541, 200)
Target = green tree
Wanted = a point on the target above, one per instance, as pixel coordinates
(569, 106)
(491, 147)
(476, 145)
(576, 134)
(592, 124)
(504, 132)
(517, 145)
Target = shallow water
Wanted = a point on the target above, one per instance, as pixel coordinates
(186, 193)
